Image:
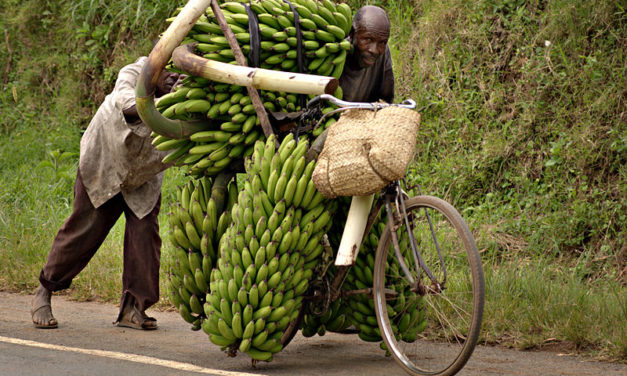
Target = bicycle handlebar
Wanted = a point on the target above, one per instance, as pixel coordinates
(344, 105)
(408, 103)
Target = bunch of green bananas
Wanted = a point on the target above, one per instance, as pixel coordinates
(406, 312)
(268, 253)
(335, 319)
(196, 224)
(230, 136)
(323, 24)
(324, 27)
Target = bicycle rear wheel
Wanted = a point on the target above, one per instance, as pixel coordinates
(443, 341)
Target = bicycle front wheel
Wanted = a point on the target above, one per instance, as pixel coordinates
(439, 338)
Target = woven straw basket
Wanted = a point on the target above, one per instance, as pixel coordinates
(366, 150)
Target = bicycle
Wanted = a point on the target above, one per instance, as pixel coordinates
(443, 266)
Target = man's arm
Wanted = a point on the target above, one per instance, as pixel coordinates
(125, 91)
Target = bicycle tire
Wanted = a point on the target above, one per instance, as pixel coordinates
(424, 356)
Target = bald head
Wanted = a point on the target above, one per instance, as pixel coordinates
(372, 18)
(369, 34)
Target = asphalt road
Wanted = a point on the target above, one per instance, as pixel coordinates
(86, 343)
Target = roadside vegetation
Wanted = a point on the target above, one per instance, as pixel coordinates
(523, 129)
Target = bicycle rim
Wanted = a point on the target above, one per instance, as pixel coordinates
(441, 336)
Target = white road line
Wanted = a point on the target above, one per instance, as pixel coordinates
(128, 357)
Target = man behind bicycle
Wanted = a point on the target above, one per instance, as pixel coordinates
(368, 74)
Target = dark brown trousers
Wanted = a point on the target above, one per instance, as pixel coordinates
(84, 231)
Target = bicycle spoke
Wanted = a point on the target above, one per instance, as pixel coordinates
(446, 297)
(443, 318)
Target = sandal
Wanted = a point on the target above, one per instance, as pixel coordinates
(136, 319)
(52, 322)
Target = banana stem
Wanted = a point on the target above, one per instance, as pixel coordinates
(232, 74)
(158, 58)
(265, 79)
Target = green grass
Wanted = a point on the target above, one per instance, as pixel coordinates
(523, 129)
(533, 303)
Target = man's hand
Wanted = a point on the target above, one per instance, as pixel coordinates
(179, 81)
(130, 114)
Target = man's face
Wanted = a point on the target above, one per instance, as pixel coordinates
(369, 42)
(165, 82)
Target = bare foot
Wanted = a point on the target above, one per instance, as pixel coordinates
(41, 311)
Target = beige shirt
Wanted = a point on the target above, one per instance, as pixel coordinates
(116, 156)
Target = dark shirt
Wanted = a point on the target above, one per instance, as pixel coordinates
(368, 84)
